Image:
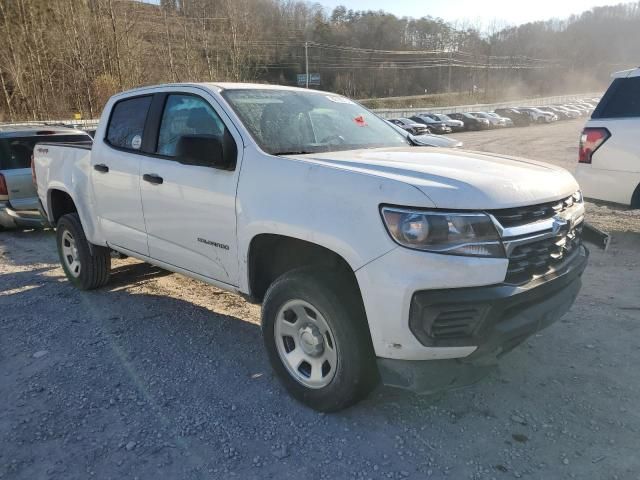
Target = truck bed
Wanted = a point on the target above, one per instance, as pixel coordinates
(63, 166)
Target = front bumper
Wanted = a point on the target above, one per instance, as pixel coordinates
(502, 316)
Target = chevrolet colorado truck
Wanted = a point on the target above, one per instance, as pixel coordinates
(374, 258)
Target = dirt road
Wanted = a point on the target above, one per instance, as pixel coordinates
(159, 376)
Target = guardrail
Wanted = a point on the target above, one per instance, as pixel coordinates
(79, 124)
(484, 107)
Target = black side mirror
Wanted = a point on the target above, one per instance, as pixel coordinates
(207, 151)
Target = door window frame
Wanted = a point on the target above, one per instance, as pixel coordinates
(106, 141)
(154, 122)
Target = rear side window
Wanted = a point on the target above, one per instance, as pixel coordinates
(126, 124)
(15, 152)
(621, 100)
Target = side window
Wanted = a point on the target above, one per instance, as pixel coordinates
(623, 99)
(126, 124)
(186, 115)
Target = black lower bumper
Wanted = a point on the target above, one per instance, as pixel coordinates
(495, 319)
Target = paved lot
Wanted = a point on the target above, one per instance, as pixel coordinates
(159, 376)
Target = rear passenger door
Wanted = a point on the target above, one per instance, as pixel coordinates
(115, 175)
(189, 211)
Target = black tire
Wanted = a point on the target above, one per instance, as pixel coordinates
(635, 198)
(341, 306)
(95, 261)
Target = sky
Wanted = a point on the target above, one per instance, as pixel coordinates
(512, 12)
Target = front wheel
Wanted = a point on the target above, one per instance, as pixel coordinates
(86, 266)
(317, 339)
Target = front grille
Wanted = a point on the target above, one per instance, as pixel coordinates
(541, 257)
(513, 217)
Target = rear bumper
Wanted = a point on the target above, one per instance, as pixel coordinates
(615, 186)
(504, 317)
(10, 218)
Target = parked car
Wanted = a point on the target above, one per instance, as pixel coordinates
(441, 141)
(609, 151)
(584, 110)
(428, 139)
(547, 111)
(18, 198)
(471, 122)
(577, 112)
(455, 125)
(506, 121)
(494, 122)
(558, 112)
(435, 126)
(373, 258)
(538, 115)
(410, 126)
(569, 113)
(519, 118)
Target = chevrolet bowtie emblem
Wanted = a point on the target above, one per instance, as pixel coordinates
(559, 223)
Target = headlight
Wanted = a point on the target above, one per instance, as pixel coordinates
(454, 233)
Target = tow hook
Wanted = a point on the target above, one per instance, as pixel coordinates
(595, 236)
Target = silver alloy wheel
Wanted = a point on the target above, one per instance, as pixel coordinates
(70, 253)
(306, 344)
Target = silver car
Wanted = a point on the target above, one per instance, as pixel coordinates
(19, 205)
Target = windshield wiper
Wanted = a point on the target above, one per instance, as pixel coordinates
(294, 152)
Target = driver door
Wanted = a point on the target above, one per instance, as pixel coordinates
(189, 211)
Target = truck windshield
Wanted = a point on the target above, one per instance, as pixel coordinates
(294, 122)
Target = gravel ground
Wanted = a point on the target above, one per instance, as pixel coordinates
(160, 376)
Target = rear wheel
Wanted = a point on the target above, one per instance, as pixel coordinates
(635, 198)
(317, 339)
(86, 266)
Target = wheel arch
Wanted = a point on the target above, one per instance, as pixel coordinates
(271, 255)
(635, 198)
(60, 203)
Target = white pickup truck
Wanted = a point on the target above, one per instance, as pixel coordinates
(374, 258)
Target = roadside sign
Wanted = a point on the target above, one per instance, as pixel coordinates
(314, 79)
(77, 116)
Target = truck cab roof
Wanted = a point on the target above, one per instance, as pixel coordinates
(219, 87)
(632, 72)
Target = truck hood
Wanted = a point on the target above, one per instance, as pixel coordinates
(457, 179)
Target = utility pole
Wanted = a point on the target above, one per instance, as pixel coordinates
(306, 62)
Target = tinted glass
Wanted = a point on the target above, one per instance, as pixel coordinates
(127, 122)
(622, 99)
(286, 121)
(15, 152)
(186, 115)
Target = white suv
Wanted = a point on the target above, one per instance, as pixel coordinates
(609, 153)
